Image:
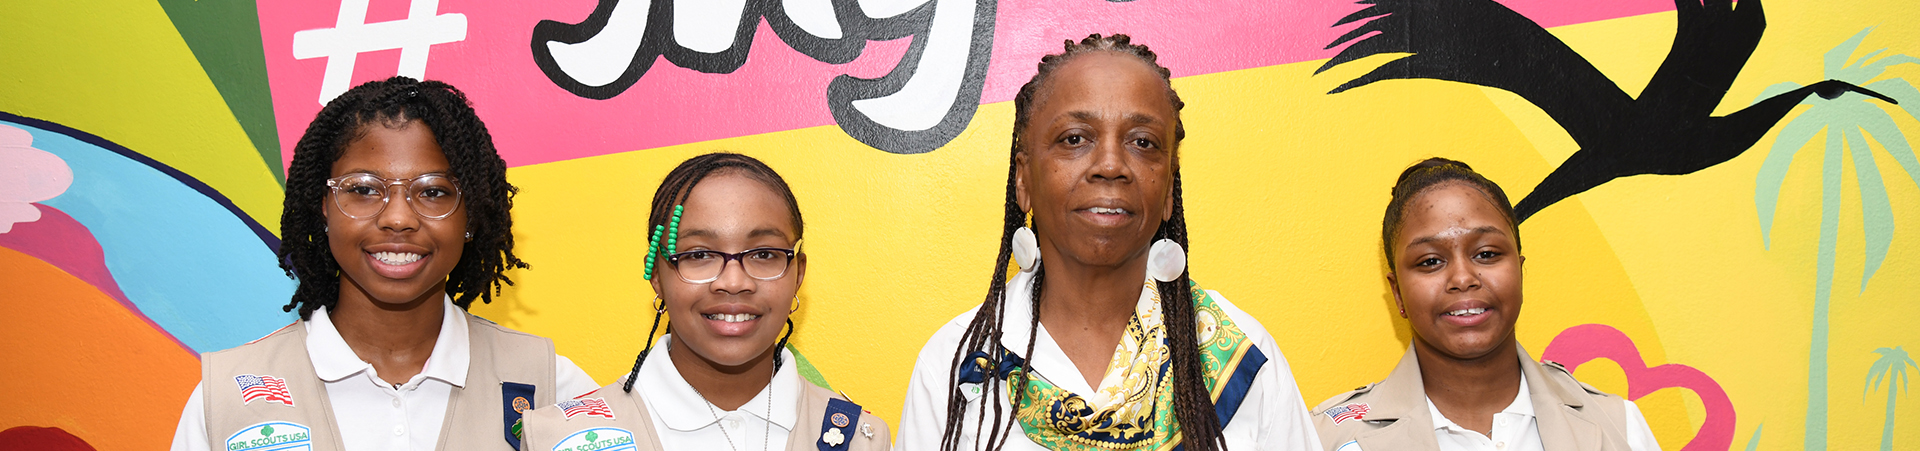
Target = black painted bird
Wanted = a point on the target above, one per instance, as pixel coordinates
(1669, 130)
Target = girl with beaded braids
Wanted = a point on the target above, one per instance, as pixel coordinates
(1100, 341)
(396, 220)
(725, 263)
(1453, 251)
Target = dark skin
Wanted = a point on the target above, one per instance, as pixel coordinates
(730, 362)
(1457, 279)
(1095, 169)
(390, 314)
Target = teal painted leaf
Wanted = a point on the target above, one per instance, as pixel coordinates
(1876, 213)
(1773, 172)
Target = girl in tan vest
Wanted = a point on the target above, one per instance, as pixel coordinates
(1453, 247)
(396, 220)
(725, 264)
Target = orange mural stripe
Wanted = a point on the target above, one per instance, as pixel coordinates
(87, 365)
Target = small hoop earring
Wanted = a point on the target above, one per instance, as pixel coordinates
(659, 305)
(796, 305)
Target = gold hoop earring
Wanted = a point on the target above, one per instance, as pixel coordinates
(796, 305)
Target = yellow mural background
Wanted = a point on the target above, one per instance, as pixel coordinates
(1285, 186)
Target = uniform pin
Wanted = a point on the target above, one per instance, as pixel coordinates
(866, 428)
(833, 437)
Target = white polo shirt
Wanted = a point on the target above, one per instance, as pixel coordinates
(375, 415)
(1272, 416)
(684, 419)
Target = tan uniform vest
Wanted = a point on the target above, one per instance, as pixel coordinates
(304, 421)
(1392, 414)
(631, 428)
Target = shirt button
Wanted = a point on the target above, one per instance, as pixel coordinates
(396, 403)
(399, 430)
(1501, 445)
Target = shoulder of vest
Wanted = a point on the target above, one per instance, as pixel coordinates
(269, 343)
(503, 333)
(1560, 374)
(1344, 398)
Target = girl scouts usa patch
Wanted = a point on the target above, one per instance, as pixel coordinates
(271, 436)
(598, 439)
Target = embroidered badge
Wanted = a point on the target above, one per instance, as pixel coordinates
(597, 439)
(1355, 411)
(840, 420)
(596, 407)
(270, 388)
(273, 435)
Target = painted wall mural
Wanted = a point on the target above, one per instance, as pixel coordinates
(143, 146)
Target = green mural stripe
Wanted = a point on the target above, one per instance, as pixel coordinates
(225, 37)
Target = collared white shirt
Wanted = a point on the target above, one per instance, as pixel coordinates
(684, 419)
(375, 415)
(1272, 417)
(1516, 429)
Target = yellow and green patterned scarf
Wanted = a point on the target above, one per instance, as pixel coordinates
(1133, 407)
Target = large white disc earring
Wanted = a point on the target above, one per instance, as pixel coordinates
(1026, 250)
(1166, 261)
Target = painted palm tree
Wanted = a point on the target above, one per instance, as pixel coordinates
(1891, 367)
(1848, 120)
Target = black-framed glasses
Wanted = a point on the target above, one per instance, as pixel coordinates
(704, 266)
(362, 195)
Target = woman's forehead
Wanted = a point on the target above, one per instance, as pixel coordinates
(1451, 207)
(734, 206)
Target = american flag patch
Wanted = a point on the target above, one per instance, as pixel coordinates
(1355, 411)
(587, 406)
(270, 388)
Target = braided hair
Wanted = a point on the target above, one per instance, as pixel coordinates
(1193, 402)
(674, 190)
(472, 161)
(1431, 173)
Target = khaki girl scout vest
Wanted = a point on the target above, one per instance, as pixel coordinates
(289, 409)
(626, 426)
(1392, 414)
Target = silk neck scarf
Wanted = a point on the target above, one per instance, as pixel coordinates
(1132, 409)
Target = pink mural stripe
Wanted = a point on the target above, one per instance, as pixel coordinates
(63, 242)
(66, 244)
(534, 121)
(1587, 342)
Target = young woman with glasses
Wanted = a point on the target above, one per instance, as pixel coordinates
(396, 220)
(725, 264)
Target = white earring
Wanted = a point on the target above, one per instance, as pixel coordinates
(469, 234)
(1026, 250)
(1166, 261)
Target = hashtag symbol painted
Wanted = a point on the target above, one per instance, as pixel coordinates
(351, 36)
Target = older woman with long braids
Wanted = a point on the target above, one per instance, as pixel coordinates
(1101, 340)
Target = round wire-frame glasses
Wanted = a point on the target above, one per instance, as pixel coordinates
(705, 266)
(362, 195)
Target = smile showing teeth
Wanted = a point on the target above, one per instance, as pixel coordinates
(396, 258)
(1468, 312)
(734, 318)
(1107, 211)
